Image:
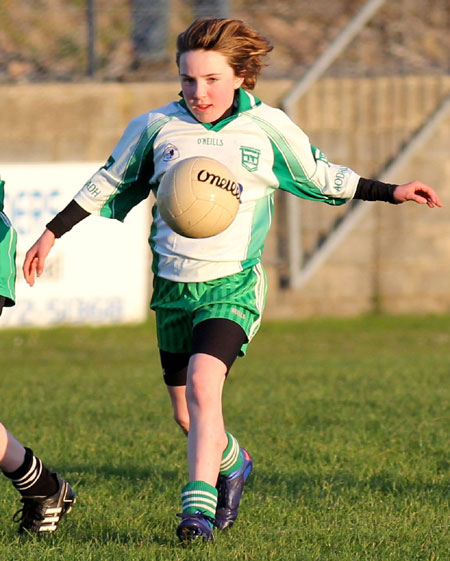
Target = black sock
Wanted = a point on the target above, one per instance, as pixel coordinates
(33, 479)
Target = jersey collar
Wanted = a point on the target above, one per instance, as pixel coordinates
(243, 101)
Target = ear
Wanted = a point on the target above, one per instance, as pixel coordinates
(238, 81)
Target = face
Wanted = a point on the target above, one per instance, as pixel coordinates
(208, 83)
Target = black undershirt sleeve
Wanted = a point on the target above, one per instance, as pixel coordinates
(367, 190)
(67, 218)
(373, 190)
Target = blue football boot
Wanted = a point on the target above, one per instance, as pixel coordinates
(195, 526)
(230, 488)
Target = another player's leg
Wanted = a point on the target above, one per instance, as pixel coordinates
(46, 497)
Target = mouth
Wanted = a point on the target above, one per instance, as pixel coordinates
(202, 108)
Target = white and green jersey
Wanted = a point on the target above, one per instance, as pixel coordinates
(262, 147)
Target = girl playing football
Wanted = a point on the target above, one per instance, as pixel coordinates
(209, 294)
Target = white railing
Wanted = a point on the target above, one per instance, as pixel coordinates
(360, 208)
(389, 153)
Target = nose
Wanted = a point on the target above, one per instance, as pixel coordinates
(199, 90)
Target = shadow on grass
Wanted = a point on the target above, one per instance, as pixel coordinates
(144, 507)
(279, 483)
(341, 482)
(152, 494)
(126, 472)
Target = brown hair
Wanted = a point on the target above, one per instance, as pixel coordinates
(242, 46)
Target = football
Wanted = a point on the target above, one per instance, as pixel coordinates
(198, 197)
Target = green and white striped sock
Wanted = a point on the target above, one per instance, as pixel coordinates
(198, 496)
(231, 458)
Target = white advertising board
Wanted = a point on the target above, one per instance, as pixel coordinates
(98, 273)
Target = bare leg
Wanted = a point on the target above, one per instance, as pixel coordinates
(207, 438)
(179, 404)
(12, 453)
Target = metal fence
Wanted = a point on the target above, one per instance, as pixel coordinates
(72, 40)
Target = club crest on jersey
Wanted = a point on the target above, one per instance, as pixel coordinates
(170, 153)
(319, 155)
(250, 158)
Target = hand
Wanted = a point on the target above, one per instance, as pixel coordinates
(417, 192)
(37, 254)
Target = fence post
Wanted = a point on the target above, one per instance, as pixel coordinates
(211, 8)
(91, 32)
(150, 25)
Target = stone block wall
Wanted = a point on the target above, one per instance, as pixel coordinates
(397, 260)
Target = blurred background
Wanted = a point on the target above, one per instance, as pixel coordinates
(134, 40)
(367, 80)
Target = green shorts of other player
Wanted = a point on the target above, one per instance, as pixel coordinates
(8, 241)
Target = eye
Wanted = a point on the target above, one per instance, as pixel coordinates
(211, 80)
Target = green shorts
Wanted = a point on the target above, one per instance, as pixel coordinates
(180, 306)
(8, 239)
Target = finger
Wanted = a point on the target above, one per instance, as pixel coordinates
(437, 201)
(40, 264)
(33, 268)
(427, 199)
(430, 194)
(420, 199)
(431, 197)
(29, 271)
(26, 269)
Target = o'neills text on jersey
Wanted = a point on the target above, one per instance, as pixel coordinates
(222, 182)
(210, 141)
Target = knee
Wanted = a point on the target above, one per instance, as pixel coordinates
(205, 379)
(195, 393)
(200, 395)
(182, 420)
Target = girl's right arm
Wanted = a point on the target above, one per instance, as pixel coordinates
(37, 254)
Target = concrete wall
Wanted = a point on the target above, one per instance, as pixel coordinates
(397, 260)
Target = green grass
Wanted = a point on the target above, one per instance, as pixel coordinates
(347, 420)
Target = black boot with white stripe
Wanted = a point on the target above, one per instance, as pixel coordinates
(41, 515)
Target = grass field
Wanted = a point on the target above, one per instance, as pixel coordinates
(348, 422)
